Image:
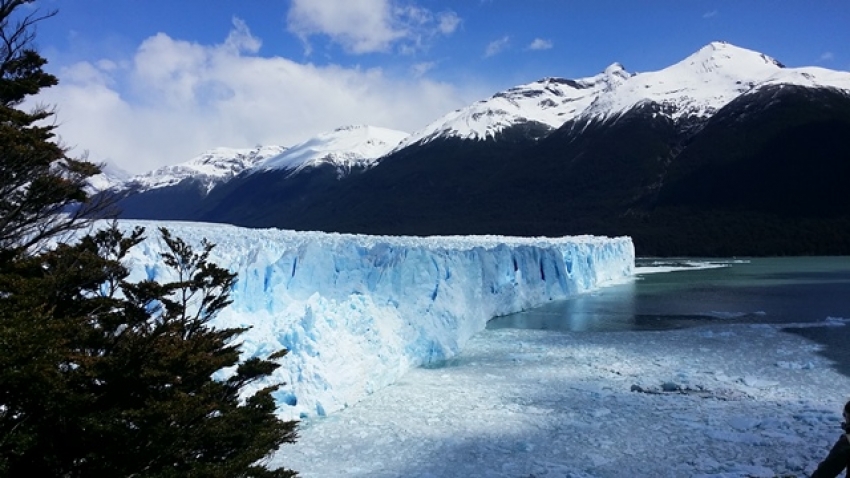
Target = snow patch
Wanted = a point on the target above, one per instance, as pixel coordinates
(697, 86)
(210, 168)
(345, 148)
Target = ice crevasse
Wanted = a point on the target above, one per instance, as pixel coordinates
(356, 311)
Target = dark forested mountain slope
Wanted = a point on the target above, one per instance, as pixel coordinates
(727, 152)
(763, 175)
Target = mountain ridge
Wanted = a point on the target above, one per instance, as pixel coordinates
(346, 148)
(600, 97)
(612, 154)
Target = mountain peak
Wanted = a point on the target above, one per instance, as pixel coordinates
(616, 69)
(344, 147)
(209, 168)
(351, 127)
(697, 86)
(718, 45)
(719, 56)
(110, 176)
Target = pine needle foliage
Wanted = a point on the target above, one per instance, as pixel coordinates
(101, 375)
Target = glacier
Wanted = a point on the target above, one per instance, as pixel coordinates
(356, 312)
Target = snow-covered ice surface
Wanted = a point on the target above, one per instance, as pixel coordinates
(360, 313)
(727, 400)
(357, 312)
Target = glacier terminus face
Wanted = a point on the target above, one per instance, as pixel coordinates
(356, 312)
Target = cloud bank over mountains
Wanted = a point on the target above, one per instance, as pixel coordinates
(367, 26)
(174, 98)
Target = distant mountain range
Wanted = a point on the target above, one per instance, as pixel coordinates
(724, 153)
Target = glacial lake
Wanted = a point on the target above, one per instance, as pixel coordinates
(701, 291)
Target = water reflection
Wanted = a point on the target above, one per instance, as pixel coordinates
(764, 290)
(611, 308)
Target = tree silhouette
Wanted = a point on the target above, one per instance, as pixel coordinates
(101, 376)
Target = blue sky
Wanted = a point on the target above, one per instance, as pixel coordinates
(144, 83)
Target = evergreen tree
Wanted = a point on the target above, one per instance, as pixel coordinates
(100, 376)
(104, 377)
(38, 181)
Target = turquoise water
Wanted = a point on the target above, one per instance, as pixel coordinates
(758, 290)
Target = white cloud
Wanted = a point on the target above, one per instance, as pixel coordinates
(175, 99)
(827, 56)
(497, 46)
(107, 65)
(240, 38)
(540, 44)
(419, 69)
(448, 22)
(366, 26)
(710, 14)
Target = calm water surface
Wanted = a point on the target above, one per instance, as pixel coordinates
(763, 290)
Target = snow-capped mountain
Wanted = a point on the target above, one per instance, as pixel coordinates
(177, 192)
(697, 86)
(708, 80)
(694, 88)
(110, 177)
(345, 148)
(550, 102)
(208, 169)
(710, 156)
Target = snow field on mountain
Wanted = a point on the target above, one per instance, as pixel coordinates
(743, 401)
(698, 86)
(345, 148)
(211, 168)
(357, 312)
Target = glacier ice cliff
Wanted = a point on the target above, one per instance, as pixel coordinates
(356, 311)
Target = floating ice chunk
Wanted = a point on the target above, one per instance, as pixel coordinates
(758, 383)
(742, 471)
(736, 437)
(709, 334)
(796, 365)
(743, 423)
(726, 315)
